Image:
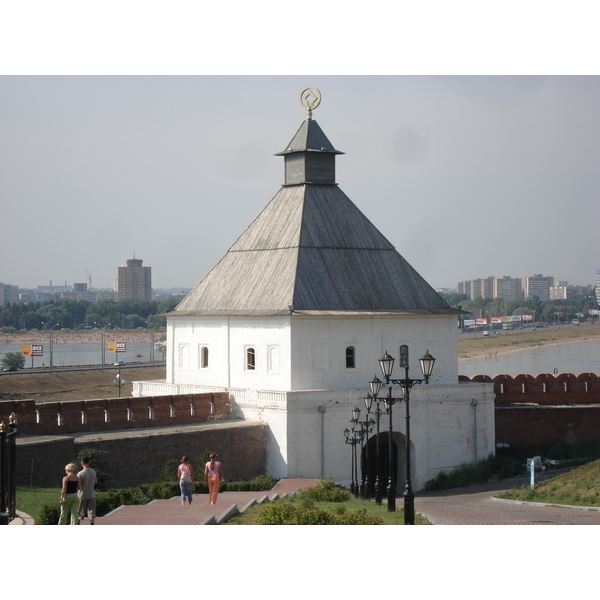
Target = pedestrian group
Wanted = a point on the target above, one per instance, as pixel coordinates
(78, 496)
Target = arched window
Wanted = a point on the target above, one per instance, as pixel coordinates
(204, 357)
(250, 359)
(350, 358)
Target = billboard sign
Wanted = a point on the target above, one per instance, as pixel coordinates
(117, 347)
(32, 350)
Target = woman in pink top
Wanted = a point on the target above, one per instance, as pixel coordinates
(185, 474)
(213, 473)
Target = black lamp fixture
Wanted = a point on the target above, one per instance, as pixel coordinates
(406, 384)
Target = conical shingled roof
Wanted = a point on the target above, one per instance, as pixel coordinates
(312, 249)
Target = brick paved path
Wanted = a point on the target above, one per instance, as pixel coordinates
(476, 505)
(200, 512)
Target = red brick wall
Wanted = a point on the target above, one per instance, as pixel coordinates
(546, 409)
(52, 418)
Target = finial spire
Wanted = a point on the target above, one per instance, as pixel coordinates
(310, 98)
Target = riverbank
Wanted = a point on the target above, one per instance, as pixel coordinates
(525, 339)
(83, 336)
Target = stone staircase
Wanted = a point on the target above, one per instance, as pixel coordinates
(200, 512)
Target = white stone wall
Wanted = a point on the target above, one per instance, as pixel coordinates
(447, 429)
(305, 353)
(302, 388)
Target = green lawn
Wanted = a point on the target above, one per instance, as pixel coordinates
(30, 500)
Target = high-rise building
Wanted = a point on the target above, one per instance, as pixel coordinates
(134, 281)
(538, 285)
(508, 288)
(598, 286)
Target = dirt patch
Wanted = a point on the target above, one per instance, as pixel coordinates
(58, 387)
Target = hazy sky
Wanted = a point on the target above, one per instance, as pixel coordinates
(468, 176)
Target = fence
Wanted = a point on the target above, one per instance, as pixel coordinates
(8, 504)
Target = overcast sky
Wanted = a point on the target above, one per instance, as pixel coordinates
(468, 176)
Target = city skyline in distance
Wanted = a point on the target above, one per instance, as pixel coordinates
(481, 175)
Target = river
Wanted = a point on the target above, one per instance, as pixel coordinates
(68, 355)
(578, 357)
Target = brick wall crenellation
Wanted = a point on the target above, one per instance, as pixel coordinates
(545, 409)
(109, 414)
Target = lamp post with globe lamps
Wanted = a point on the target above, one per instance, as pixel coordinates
(406, 384)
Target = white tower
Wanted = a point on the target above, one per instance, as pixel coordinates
(293, 319)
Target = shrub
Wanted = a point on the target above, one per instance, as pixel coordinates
(286, 513)
(98, 462)
(168, 472)
(358, 517)
(325, 491)
(258, 484)
(49, 514)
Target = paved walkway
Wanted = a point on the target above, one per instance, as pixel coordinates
(476, 505)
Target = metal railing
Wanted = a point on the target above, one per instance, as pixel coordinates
(8, 444)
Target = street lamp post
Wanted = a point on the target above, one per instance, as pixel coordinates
(377, 487)
(50, 327)
(118, 380)
(406, 384)
(353, 436)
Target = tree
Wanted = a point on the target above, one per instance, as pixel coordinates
(13, 359)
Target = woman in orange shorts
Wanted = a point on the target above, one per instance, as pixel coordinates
(213, 474)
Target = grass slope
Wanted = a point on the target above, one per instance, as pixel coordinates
(580, 487)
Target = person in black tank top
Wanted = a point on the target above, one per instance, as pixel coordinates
(69, 503)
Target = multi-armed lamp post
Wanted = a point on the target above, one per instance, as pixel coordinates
(406, 384)
(354, 436)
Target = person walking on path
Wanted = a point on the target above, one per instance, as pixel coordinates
(68, 497)
(185, 474)
(213, 474)
(87, 495)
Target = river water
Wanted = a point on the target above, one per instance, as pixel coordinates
(579, 357)
(67, 355)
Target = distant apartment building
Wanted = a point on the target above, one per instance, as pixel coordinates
(134, 281)
(598, 287)
(8, 293)
(508, 288)
(565, 292)
(477, 287)
(538, 285)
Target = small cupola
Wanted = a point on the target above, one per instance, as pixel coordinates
(310, 156)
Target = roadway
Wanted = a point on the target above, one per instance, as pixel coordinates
(516, 331)
(83, 368)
